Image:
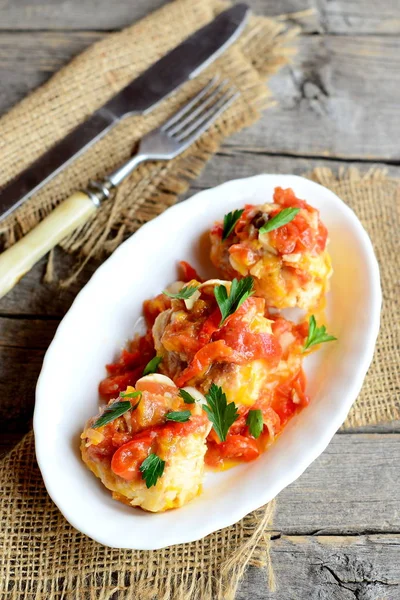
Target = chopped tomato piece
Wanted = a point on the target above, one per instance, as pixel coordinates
(174, 429)
(287, 198)
(188, 272)
(217, 229)
(236, 447)
(128, 458)
(322, 236)
(289, 397)
(210, 325)
(249, 345)
(215, 351)
(242, 254)
(112, 386)
(127, 360)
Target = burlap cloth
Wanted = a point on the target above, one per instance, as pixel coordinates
(41, 555)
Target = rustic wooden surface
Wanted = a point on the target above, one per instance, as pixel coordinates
(337, 528)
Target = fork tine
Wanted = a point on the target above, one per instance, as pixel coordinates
(191, 115)
(181, 113)
(195, 129)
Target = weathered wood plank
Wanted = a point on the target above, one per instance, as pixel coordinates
(19, 371)
(329, 568)
(351, 488)
(352, 17)
(32, 334)
(333, 16)
(339, 99)
(233, 162)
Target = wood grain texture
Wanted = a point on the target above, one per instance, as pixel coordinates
(240, 161)
(329, 568)
(333, 16)
(353, 487)
(339, 99)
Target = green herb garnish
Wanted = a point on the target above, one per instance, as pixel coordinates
(187, 398)
(282, 218)
(112, 412)
(152, 365)
(184, 294)
(179, 416)
(230, 221)
(255, 423)
(151, 469)
(221, 414)
(130, 394)
(239, 292)
(316, 335)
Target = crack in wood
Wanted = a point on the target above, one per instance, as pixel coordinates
(349, 584)
(236, 149)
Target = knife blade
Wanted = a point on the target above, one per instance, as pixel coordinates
(140, 96)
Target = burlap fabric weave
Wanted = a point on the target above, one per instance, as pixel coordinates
(43, 557)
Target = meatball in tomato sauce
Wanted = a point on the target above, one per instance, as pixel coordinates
(288, 260)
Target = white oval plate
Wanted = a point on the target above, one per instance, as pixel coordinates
(101, 320)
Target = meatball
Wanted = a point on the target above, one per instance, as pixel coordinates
(116, 452)
(244, 356)
(290, 264)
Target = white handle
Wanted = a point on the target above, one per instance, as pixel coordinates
(63, 220)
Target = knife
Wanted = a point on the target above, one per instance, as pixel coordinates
(179, 65)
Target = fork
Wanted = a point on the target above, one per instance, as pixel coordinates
(164, 143)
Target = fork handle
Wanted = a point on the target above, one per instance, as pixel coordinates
(63, 220)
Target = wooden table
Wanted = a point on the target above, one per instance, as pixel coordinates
(338, 526)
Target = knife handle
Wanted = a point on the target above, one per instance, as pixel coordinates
(63, 220)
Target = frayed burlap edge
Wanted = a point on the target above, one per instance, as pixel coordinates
(45, 558)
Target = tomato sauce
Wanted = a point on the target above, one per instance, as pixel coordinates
(199, 335)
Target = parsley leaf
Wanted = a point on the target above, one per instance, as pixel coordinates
(130, 394)
(151, 469)
(316, 335)
(112, 412)
(221, 414)
(230, 221)
(285, 216)
(152, 365)
(255, 423)
(179, 416)
(184, 294)
(187, 398)
(239, 292)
